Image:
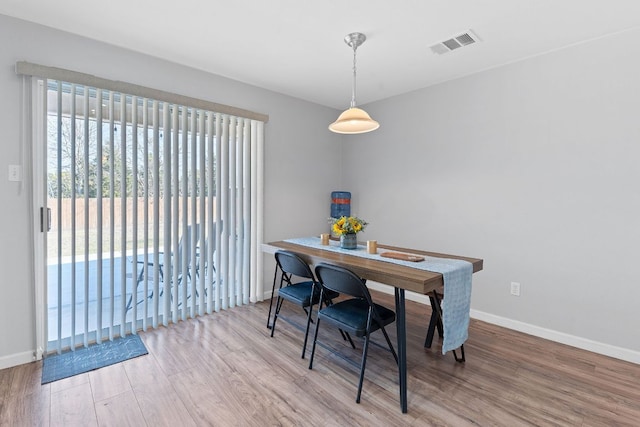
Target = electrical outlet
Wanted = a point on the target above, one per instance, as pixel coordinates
(515, 289)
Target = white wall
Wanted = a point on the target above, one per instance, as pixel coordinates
(533, 167)
(300, 166)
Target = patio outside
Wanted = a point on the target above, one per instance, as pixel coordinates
(61, 268)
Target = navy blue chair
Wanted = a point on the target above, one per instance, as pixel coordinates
(358, 315)
(305, 293)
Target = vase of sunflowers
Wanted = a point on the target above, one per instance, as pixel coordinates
(347, 227)
(349, 241)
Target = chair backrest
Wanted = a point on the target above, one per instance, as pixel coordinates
(291, 263)
(204, 246)
(184, 246)
(343, 281)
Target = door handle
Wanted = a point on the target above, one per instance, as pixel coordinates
(45, 221)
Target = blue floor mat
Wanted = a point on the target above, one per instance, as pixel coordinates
(58, 366)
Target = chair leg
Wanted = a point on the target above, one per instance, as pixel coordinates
(315, 333)
(315, 339)
(130, 299)
(161, 276)
(363, 364)
(273, 291)
(213, 285)
(135, 291)
(353, 346)
(275, 315)
(306, 332)
(393, 351)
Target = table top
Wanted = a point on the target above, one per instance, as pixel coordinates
(400, 276)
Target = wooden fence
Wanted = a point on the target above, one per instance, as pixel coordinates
(65, 212)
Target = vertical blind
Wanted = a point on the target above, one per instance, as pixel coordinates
(156, 211)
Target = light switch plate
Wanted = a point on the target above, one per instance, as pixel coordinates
(515, 289)
(15, 173)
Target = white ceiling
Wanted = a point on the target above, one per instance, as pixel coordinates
(296, 47)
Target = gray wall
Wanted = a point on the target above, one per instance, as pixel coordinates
(300, 163)
(533, 167)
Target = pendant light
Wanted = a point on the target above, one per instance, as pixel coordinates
(354, 120)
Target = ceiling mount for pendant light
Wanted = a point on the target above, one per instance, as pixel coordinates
(354, 120)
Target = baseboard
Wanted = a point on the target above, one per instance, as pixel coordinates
(560, 337)
(12, 360)
(549, 334)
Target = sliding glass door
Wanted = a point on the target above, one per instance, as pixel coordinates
(151, 212)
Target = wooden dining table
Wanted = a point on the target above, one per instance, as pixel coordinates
(401, 277)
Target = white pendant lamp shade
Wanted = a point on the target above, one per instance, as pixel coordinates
(354, 120)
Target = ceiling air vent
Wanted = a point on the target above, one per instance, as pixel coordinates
(465, 39)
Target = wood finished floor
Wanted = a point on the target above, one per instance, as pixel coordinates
(225, 370)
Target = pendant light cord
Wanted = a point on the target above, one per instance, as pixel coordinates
(353, 90)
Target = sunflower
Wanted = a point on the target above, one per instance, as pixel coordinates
(347, 225)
